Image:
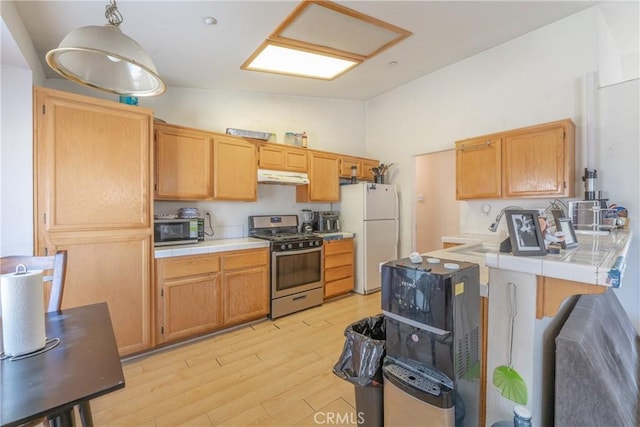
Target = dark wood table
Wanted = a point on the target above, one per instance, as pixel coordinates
(85, 365)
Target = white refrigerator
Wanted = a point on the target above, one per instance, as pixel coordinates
(371, 212)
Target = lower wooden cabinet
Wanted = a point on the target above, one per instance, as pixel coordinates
(245, 294)
(197, 294)
(188, 297)
(338, 267)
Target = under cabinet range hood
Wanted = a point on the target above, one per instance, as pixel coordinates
(267, 176)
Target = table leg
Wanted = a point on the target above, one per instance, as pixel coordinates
(85, 414)
(62, 419)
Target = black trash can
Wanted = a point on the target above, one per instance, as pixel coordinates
(361, 365)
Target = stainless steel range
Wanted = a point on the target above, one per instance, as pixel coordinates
(297, 263)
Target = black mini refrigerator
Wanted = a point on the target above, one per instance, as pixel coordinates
(431, 371)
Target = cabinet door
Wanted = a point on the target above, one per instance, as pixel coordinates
(282, 158)
(245, 294)
(235, 175)
(183, 164)
(324, 179)
(190, 307)
(346, 163)
(478, 168)
(92, 163)
(538, 161)
(114, 270)
(366, 172)
(295, 160)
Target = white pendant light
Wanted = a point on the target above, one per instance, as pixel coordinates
(106, 59)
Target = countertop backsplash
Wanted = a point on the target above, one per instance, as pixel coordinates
(230, 219)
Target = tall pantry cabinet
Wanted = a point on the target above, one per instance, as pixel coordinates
(93, 197)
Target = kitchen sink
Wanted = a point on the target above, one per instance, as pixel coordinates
(477, 249)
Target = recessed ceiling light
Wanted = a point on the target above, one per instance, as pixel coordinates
(393, 63)
(284, 60)
(342, 37)
(210, 20)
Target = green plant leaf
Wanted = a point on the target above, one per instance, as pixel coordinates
(510, 384)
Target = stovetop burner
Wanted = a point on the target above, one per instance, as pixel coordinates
(282, 231)
(280, 237)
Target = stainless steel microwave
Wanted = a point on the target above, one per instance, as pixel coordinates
(179, 231)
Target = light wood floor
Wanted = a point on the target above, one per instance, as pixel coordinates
(272, 373)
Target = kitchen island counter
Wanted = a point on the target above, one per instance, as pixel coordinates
(210, 246)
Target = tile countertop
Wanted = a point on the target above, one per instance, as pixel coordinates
(209, 246)
(445, 254)
(223, 245)
(337, 235)
(598, 259)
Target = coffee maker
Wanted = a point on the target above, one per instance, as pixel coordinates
(326, 222)
(307, 221)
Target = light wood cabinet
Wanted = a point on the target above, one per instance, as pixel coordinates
(338, 267)
(246, 293)
(197, 294)
(93, 198)
(324, 180)
(479, 168)
(235, 172)
(539, 161)
(536, 161)
(188, 296)
(363, 167)
(282, 157)
(183, 163)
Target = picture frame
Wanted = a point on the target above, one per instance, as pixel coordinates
(566, 226)
(525, 233)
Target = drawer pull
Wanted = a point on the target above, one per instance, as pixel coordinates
(299, 297)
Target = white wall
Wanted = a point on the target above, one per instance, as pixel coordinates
(16, 151)
(536, 78)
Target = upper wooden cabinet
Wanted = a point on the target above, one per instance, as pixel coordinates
(184, 159)
(193, 164)
(537, 161)
(282, 157)
(235, 171)
(363, 167)
(324, 180)
(479, 168)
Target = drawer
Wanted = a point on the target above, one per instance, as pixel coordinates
(332, 247)
(190, 266)
(339, 287)
(338, 260)
(244, 259)
(338, 273)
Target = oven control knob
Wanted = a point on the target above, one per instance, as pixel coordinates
(289, 246)
(283, 247)
(301, 245)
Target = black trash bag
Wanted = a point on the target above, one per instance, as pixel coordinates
(363, 352)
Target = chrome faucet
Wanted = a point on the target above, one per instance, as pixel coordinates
(493, 227)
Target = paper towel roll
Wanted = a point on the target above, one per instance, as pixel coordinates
(23, 329)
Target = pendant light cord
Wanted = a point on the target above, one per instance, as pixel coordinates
(113, 15)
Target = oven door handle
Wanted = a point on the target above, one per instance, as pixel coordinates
(298, 251)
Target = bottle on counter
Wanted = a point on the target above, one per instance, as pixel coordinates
(304, 140)
(521, 417)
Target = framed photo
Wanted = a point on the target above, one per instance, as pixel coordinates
(525, 233)
(566, 226)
